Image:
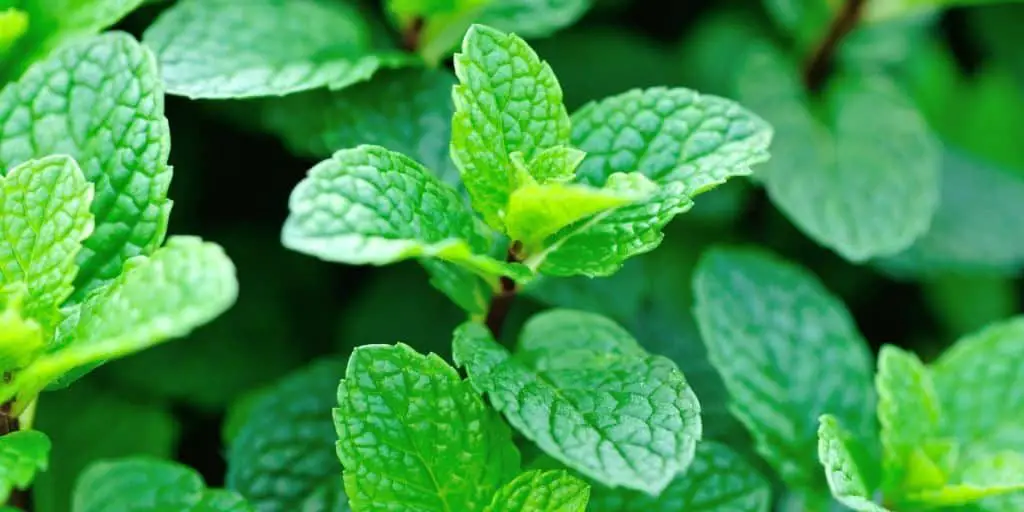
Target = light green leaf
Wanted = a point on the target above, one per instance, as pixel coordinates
(408, 111)
(144, 483)
(369, 205)
(998, 475)
(182, 286)
(212, 49)
(583, 390)
(414, 436)
(718, 479)
(909, 414)
(21, 338)
(286, 461)
(770, 327)
(44, 217)
(841, 455)
(13, 25)
(555, 164)
(101, 103)
(863, 179)
(976, 382)
(541, 491)
(22, 454)
(507, 101)
(534, 18)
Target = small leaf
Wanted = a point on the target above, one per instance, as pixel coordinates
(508, 101)
(583, 390)
(718, 480)
(541, 491)
(413, 435)
(770, 327)
(144, 483)
(555, 164)
(44, 217)
(212, 49)
(22, 454)
(838, 452)
(99, 101)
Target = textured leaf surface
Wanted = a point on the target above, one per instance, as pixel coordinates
(547, 491)
(408, 111)
(144, 483)
(770, 327)
(838, 452)
(976, 381)
(863, 181)
(44, 216)
(719, 480)
(212, 49)
(369, 205)
(101, 102)
(22, 454)
(584, 391)
(507, 101)
(286, 461)
(414, 436)
(182, 286)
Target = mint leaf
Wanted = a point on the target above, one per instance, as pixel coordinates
(408, 111)
(908, 411)
(99, 101)
(140, 429)
(221, 500)
(992, 476)
(583, 390)
(769, 327)
(22, 454)
(541, 491)
(13, 25)
(839, 453)
(976, 383)
(863, 178)
(211, 49)
(21, 339)
(413, 435)
(44, 216)
(180, 287)
(718, 479)
(144, 483)
(369, 205)
(534, 18)
(508, 101)
(286, 461)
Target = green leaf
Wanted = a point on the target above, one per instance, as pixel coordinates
(21, 338)
(998, 475)
(976, 382)
(718, 479)
(44, 217)
(182, 286)
(770, 327)
(583, 390)
(285, 461)
(508, 101)
(414, 436)
(533, 18)
(93, 434)
(144, 483)
(211, 49)
(541, 491)
(886, 9)
(100, 102)
(221, 500)
(369, 205)
(842, 456)
(13, 25)
(22, 454)
(863, 179)
(408, 111)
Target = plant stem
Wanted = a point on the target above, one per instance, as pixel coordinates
(501, 302)
(412, 34)
(820, 63)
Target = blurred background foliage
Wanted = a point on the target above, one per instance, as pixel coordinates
(236, 162)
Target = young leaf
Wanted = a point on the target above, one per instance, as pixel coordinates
(22, 454)
(976, 383)
(369, 205)
(718, 479)
(21, 339)
(584, 391)
(144, 483)
(412, 435)
(838, 452)
(865, 181)
(180, 287)
(994, 476)
(44, 217)
(770, 327)
(99, 101)
(541, 491)
(212, 49)
(282, 458)
(508, 101)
